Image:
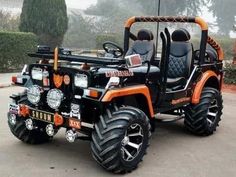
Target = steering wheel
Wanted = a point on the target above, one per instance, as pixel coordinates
(113, 49)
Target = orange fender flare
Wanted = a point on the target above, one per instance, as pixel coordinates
(200, 84)
(132, 90)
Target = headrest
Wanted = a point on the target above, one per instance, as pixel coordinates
(212, 54)
(181, 35)
(145, 34)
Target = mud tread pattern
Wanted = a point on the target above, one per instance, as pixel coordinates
(195, 115)
(26, 136)
(107, 136)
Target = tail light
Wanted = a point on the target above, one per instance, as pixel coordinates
(14, 79)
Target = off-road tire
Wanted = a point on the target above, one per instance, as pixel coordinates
(197, 118)
(35, 136)
(109, 132)
(19, 130)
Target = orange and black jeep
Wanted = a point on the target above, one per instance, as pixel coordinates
(114, 100)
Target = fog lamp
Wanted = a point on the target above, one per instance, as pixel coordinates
(71, 136)
(12, 119)
(50, 130)
(29, 124)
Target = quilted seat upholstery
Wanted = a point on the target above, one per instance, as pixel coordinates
(180, 61)
(144, 46)
(176, 66)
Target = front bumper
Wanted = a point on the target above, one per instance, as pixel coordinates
(25, 112)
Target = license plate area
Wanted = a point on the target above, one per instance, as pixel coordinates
(74, 123)
(42, 116)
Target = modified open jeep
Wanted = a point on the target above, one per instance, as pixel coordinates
(114, 100)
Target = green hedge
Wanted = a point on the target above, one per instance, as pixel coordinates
(14, 47)
(230, 74)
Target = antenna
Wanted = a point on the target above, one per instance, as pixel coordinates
(158, 14)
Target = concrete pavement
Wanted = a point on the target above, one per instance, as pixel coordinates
(173, 151)
(5, 79)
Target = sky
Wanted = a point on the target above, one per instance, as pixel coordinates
(80, 4)
(83, 4)
(74, 4)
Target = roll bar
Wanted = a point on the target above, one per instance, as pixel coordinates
(176, 19)
(216, 46)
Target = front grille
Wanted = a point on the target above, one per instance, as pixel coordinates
(68, 89)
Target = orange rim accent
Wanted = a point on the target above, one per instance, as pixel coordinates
(198, 89)
(141, 89)
(57, 79)
(129, 22)
(24, 110)
(202, 23)
(58, 119)
(55, 66)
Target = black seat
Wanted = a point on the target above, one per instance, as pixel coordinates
(181, 59)
(144, 46)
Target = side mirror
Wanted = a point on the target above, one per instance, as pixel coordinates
(43, 49)
(113, 81)
(133, 60)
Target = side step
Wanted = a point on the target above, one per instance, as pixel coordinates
(166, 118)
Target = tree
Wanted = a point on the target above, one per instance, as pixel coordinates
(172, 7)
(47, 19)
(8, 22)
(80, 33)
(225, 14)
(149, 7)
(114, 13)
(234, 49)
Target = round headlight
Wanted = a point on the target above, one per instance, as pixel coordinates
(54, 98)
(34, 94)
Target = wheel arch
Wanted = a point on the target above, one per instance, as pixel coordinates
(208, 79)
(139, 95)
(137, 100)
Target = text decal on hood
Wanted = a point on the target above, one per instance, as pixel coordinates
(119, 73)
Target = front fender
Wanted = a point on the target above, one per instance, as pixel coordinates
(200, 85)
(127, 91)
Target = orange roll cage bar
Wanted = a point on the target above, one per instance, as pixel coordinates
(177, 19)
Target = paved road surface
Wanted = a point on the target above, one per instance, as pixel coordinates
(173, 152)
(5, 79)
